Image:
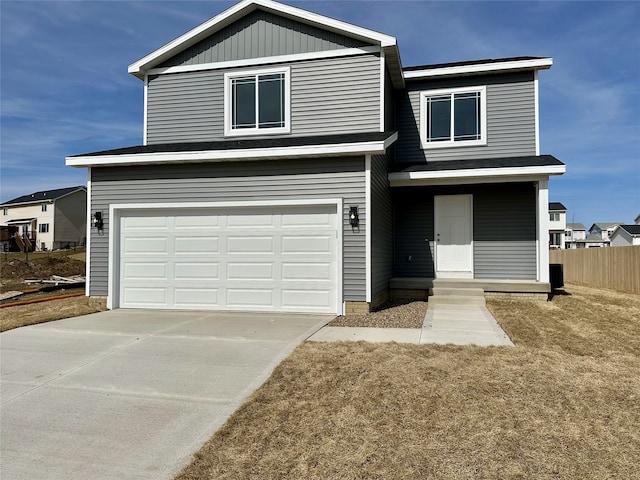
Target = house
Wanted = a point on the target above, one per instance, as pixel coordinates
(637, 220)
(574, 233)
(626, 235)
(291, 163)
(604, 230)
(46, 220)
(557, 224)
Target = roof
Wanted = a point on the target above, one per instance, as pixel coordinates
(487, 170)
(557, 207)
(592, 238)
(43, 196)
(576, 226)
(387, 43)
(605, 225)
(633, 230)
(245, 149)
(485, 66)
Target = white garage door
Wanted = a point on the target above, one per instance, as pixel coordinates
(263, 259)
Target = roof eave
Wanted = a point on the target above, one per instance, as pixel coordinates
(140, 67)
(481, 68)
(375, 147)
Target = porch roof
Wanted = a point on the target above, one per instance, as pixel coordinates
(485, 170)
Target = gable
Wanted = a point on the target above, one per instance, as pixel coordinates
(261, 34)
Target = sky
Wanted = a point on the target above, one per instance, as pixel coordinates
(65, 89)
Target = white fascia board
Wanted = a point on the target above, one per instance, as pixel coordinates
(533, 64)
(478, 175)
(249, 62)
(361, 148)
(237, 11)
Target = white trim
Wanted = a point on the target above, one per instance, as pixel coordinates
(425, 145)
(367, 208)
(146, 110)
(542, 240)
(537, 112)
(116, 211)
(228, 107)
(538, 64)
(382, 91)
(452, 273)
(237, 11)
(477, 175)
(252, 62)
(373, 147)
(87, 284)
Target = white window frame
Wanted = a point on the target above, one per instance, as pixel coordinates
(482, 90)
(554, 216)
(228, 104)
(43, 207)
(42, 229)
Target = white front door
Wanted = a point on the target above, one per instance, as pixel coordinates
(453, 232)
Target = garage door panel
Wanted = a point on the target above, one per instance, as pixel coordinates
(196, 245)
(196, 297)
(307, 271)
(261, 259)
(197, 271)
(250, 271)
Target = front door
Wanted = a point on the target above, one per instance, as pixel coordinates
(453, 232)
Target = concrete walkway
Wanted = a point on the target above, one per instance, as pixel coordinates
(443, 324)
(131, 394)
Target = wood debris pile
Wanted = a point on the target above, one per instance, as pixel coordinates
(59, 280)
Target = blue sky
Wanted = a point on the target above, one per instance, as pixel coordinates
(66, 90)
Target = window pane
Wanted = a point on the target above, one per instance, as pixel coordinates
(244, 103)
(271, 101)
(438, 119)
(467, 116)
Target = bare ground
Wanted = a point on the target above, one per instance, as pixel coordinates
(563, 404)
(392, 314)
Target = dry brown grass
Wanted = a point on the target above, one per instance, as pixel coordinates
(565, 403)
(23, 315)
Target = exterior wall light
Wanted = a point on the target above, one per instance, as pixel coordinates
(354, 221)
(97, 220)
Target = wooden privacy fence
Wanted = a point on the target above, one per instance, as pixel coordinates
(617, 268)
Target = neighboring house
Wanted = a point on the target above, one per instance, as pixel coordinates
(47, 220)
(290, 163)
(626, 235)
(557, 224)
(575, 232)
(637, 220)
(592, 240)
(604, 230)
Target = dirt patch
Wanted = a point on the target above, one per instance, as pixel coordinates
(14, 269)
(392, 314)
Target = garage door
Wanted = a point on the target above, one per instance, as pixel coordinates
(263, 259)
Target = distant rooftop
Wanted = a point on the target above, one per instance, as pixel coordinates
(633, 230)
(44, 195)
(576, 226)
(557, 206)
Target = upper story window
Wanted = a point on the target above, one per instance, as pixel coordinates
(453, 118)
(44, 207)
(5, 210)
(554, 217)
(257, 102)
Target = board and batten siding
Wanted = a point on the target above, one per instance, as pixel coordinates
(381, 227)
(328, 96)
(510, 119)
(261, 34)
(260, 181)
(504, 230)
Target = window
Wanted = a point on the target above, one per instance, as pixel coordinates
(554, 217)
(257, 102)
(567, 233)
(5, 211)
(43, 228)
(44, 207)
(555, 239)
(454, 117)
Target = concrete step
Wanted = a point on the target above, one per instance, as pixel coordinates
(456, 300)
(466, 292)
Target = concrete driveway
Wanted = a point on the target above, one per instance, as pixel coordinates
(131, 394)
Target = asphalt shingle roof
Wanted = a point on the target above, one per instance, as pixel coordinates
(556, 206)
(472, 164)
(632, 229)
(468, 62)
(43, 195)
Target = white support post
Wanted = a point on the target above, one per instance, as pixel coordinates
(542, 191)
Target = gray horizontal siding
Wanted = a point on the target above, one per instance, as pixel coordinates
(328, 96)
(510, 119)
(381, 227)
(504, 230)
(238, 181)
(261, 34)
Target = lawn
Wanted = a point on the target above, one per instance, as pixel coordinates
(563, 404)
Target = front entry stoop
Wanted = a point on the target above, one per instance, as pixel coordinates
(449, 292)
